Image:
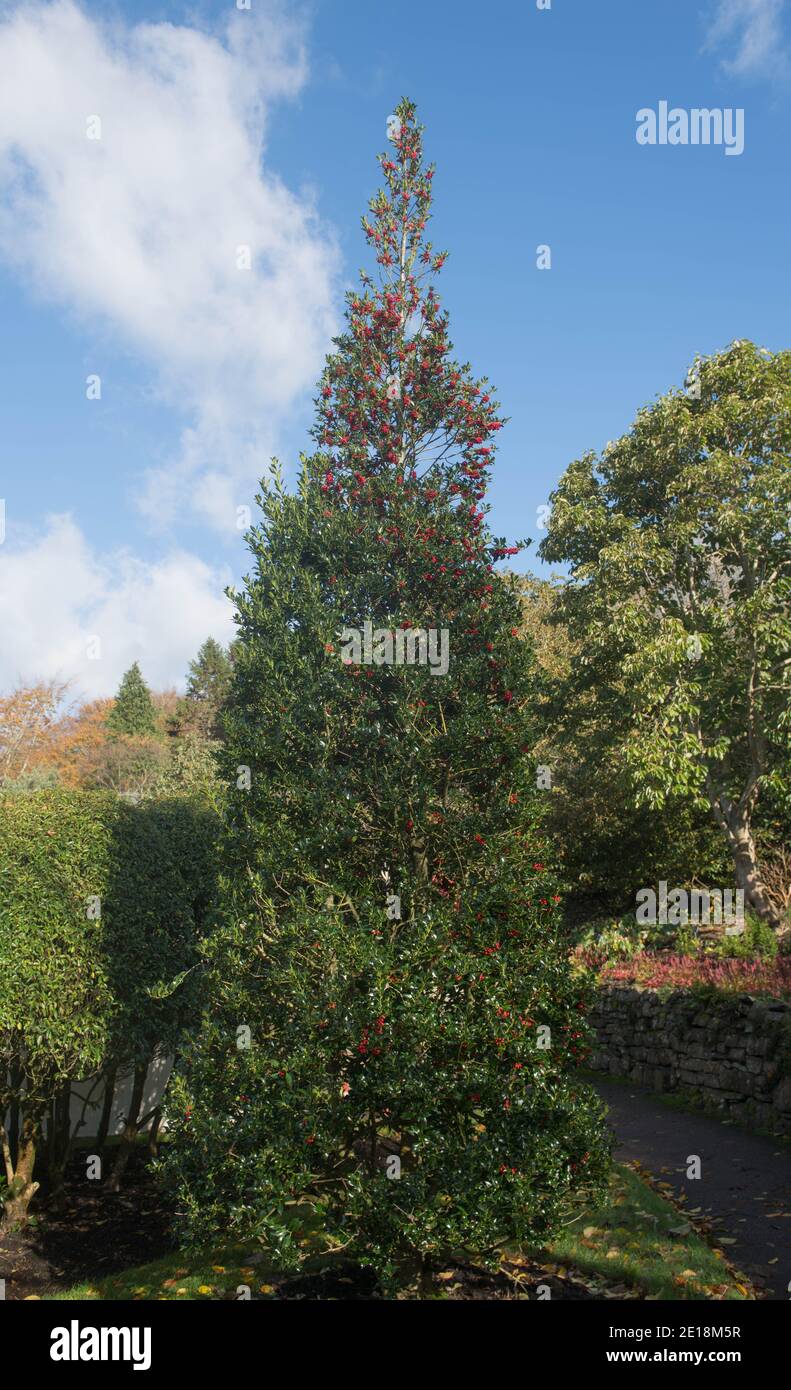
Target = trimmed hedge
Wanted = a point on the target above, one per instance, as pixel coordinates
(102, 906)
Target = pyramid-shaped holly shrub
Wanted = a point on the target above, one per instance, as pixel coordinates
(387, 1062)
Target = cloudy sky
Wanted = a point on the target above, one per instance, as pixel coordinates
(180, 194)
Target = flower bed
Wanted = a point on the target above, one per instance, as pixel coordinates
(769, 978)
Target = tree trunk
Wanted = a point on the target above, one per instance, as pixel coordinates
(16, 1077)
(734, 820)
(748, 877)
(153, 1133)
(107, 1108)
(131, 1126)
(21, 1188)
(59, 1145)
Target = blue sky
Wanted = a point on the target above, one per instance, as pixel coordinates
(221, 128)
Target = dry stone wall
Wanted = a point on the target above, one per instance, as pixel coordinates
(733, 1053)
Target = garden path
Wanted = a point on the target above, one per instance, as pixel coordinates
(744, 1190)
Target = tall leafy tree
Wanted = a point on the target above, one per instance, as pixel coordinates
(133, 712)
(680, 588)
(392, 1029)
(580, 756)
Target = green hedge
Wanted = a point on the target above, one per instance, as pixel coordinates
(102, 906)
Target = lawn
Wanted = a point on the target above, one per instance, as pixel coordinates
(634, 1245)
(641, 1240)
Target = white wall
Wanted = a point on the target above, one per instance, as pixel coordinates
(93, 1092)
(156, 1082)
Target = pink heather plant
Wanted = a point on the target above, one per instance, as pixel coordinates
(767, 977)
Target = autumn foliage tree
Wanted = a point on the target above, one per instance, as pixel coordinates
(392, 1031)
(28, 720)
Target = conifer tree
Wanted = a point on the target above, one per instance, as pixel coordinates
(208, 684)
(133, 712)
(392, 1029)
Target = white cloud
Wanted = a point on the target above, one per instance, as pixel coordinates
(755, 28)
(57, 596)
(139, 231)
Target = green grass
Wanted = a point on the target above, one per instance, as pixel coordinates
(638, 1239)
(635, 1240)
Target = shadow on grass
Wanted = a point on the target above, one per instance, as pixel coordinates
(634, 1245)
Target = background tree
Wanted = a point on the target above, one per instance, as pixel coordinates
(678, 542)
(608, 845)
(133, 712)
(392, 941)
(208, 684)
(28, 717)
(166, 704)
(130, 766)
(132, 758)
(190, 770)
(76, 741)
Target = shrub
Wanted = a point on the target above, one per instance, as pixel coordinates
(611, 938)
(757, 942)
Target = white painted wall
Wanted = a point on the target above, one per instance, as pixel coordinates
(93, 1093)
(156, 1082)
